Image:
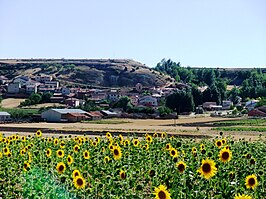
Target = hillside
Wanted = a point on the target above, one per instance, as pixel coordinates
(94, 72)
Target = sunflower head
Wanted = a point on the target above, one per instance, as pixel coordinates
(39, 133)
(251, 181)
(26, 166)
(108, 135)
(163, 134)
(155, 135)
(62, 145)
(243, 196)
(117, 153)
(218, 143)
(122, 175)
(86, 155)
(60, 153)
(168, 146)
(75, 173)
(61, 167)
(56, 141)
(69, 160)
(207, 169)
(149, 138)
(48, 152)
(161, 192)
(173, 152)
(76, 148)
(136, 142)
(252, 161)
(181, 166)
(79, 182)
(225, 155)
(106, 159)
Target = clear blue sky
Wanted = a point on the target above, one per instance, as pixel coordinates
(195, 32)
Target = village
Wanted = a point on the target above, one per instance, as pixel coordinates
(70, 100)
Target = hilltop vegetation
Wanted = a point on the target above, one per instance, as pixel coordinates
(94, 72)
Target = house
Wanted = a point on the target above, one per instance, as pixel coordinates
(114, 95)
(31, 89)
(57, 98)
(95, 115)
(43, 78)
(109, 114)
(211, 106)
(3, 80)
(148, 101)
(23, 80)
(14, 88)
(258, 112)
(227, 104)
(134, 100)
(64, 115)
(74, 102)
(251, 104)
(51, 84)
(5, 116)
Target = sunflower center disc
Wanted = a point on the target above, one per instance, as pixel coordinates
(225, 155)
(116, 152)
(61, 168)
(251, 181)
(80, 182)
(162, 195)
(181, 167)
(206, 168)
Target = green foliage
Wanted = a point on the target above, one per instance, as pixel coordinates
(163, 110)
(262, 102)
(18, 113)
(124, 103)
(181, 101)
(36, 98)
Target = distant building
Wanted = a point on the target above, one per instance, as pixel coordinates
(251, 104)
(114, 95)
(3, 79)
(64, 115)
(211, 106)
(14, 88)
(43, 78)
(95, 115)
(74, 102)
(227, 104)
(148, 101)
(23, 80)
(258, 112)
(4, 116)
(31, 89)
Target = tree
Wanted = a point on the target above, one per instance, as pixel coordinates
(124, 103)
(197, 95)
(35, 98)
(234, 95)
(163, 110)
(46, 97)
(181, 101)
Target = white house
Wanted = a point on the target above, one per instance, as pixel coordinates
(13, 87)
(227, 104)
(31, 88)
(5, 116)
(61, 115)
(52, 84)
(250, 105)
(43, 78)
(22, 80)
(114, 95)
(148, 101)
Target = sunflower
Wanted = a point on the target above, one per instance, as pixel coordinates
(6, 150)
(29, 155)
(181, 166)
(49, 139)
(146, 146)
(168, 147)
(79, 182)
(69, 160)
(202, 146)
(108, 135)
(225, 155)
(1, 155)
(251, 181)
(62, 145)
(243, 196)
(117, 153)
(60, 153)
(136, 142)
(75, 173)
(126, 142)
(9, 154)
(155, 135)
(86, 155)
(39, 133)
(56, 141)
(173, 152)
(120, 137)
(252, 161)
(194, 149)
(160, 192)
(26, 166)
(111, 147)
(248, 156)
(207, 169)
(219, 143)
(122, 174)
(61, 167)
(163, 134)
(22, 152)
(23, 138)
(76, 148)
(94, 143)
(149, 138)
(48, 152)
(106, 159)
(223, 141)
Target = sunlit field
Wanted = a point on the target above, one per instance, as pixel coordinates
(154, 166)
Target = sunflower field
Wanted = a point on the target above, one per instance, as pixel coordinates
(153, 166)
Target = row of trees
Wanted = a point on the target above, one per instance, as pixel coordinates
(37, 98)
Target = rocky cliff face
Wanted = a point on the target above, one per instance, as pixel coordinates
(94, 72)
